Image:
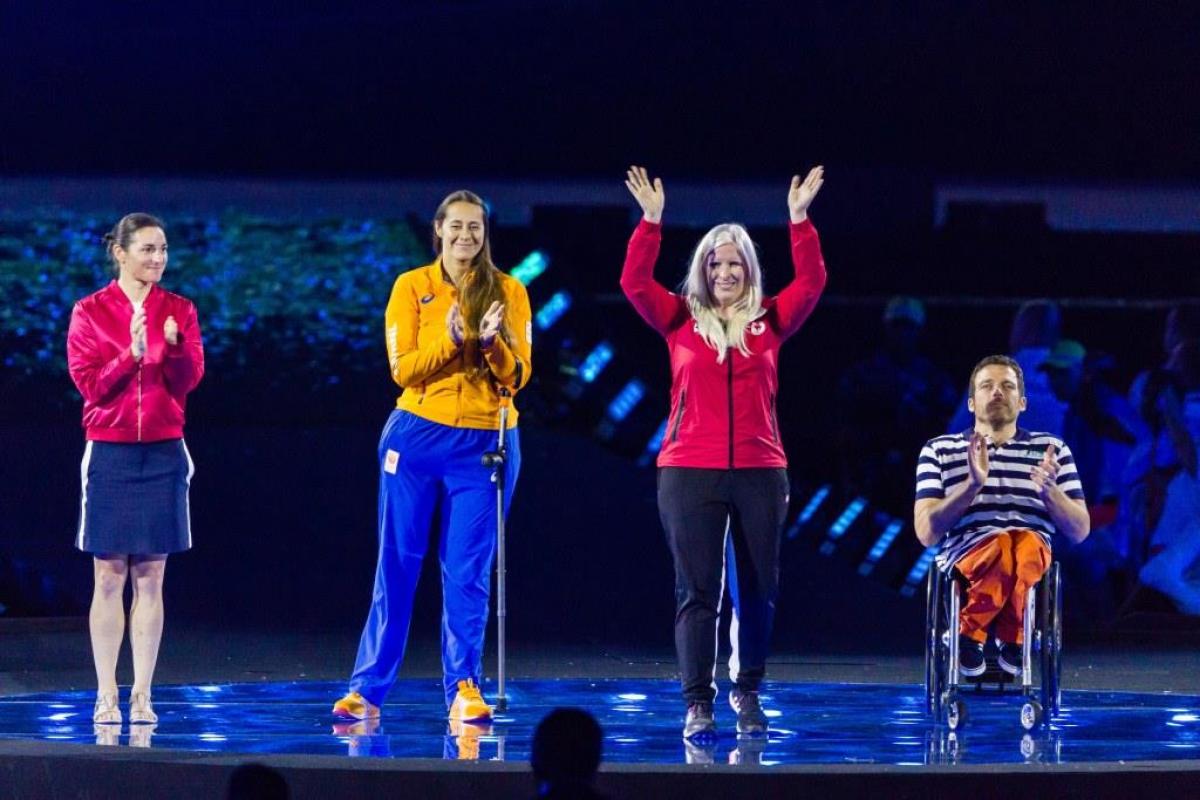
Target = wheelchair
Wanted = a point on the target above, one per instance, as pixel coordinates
(944, 685)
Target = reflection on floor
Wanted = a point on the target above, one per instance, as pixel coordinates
(810, 724)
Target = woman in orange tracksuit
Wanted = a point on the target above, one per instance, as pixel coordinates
(458, 331)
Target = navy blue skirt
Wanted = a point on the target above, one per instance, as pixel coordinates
(135, 498)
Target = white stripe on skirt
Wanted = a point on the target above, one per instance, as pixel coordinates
(187, 493)
(83, 475)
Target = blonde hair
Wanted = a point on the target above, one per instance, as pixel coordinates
(721, 334)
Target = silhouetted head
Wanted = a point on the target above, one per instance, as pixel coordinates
(1036, 324)
(566, 748)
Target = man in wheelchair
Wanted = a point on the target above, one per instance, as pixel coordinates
(992, 497)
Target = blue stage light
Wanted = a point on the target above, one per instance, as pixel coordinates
(918, 571)
(654, 445)
(842, 524)
(880, 547)
(809, 510)
(530, 267)
(553, 308)
(595, 362)
(626, 400)
(847, 517)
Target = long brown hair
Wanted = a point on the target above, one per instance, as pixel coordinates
(479, 287)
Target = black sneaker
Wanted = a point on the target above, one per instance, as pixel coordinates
(1010, 657)
(750, 716)
(699, 723)
(970, 657)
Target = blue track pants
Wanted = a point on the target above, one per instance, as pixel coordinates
(431, 471)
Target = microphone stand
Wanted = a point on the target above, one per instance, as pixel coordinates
(496, 459)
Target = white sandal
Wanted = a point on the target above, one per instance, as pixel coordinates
(106, 712)
(140, 710)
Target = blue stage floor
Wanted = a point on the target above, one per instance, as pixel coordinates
(810, 724)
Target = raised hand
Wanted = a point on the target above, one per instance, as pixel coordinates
(454, 324)
(977, 458)
(802, 192)
(171, 331)
(649, 195)
(137, 332)
(1045, 474)
(489, 324)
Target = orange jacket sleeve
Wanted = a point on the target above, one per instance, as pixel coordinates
(411, 361)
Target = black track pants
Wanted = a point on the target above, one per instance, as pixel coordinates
(698, 507)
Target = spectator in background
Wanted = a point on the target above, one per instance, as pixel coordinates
(567, 746)
(888, 405)
(1099, 422)
(1102, 428)
(1155, 458)
(1034, 331)
(1162, 486)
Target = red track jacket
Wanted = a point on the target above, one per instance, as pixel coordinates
(126, 399)
(723, 415)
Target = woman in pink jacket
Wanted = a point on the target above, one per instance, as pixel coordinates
(722, 480)
(134, 352)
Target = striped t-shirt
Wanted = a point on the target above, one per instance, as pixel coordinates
(1008, 500)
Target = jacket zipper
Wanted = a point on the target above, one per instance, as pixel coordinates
(679, 416)
(139, 403)
(729, 383)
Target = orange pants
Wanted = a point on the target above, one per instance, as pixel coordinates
(999, 573)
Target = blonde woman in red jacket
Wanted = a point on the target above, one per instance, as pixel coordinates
(134, 352)
(722, 469)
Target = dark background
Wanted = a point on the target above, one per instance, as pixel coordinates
(891, 99)
(1098, 91)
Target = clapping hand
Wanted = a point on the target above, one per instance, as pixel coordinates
(1045, 474)
(801, 193)
(649, 195)
(137, 332)
(977, 459)
(489, 324)
(171, 331)
(454, 324)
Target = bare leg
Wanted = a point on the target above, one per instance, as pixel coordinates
(146, 618)
(106, 620)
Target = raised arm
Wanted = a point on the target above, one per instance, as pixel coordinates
(659, 307)
(412, 364)
(799, 297)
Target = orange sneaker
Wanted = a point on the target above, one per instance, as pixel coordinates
(468, 705)
(355, 706)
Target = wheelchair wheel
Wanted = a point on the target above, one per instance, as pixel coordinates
(1050, 625)
(1032, 715)
(935, 653)
(1056, 667)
